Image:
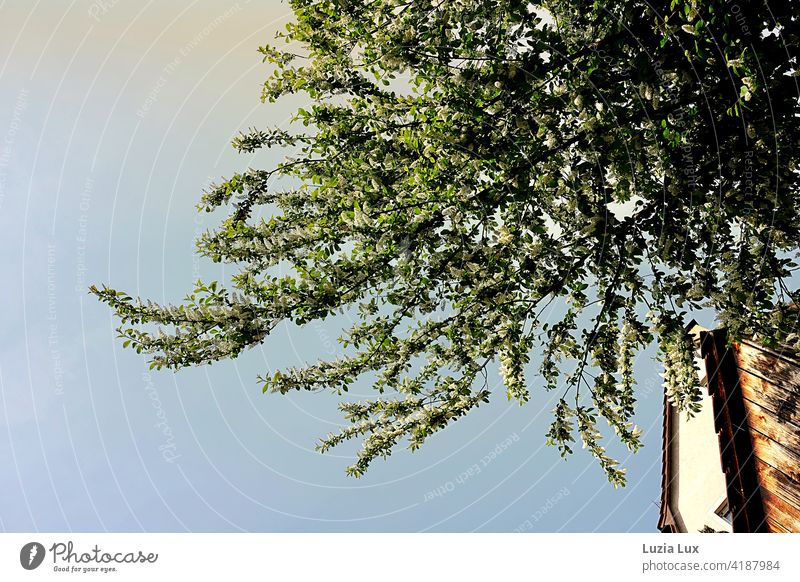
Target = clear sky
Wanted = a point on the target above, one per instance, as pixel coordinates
(114, 115)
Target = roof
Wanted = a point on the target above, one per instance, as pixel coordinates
(666, 520)
(730, 423)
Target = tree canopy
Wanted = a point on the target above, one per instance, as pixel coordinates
(466, 165)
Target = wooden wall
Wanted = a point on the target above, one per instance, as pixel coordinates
(770, 387)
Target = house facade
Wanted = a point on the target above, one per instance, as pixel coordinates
(735, 467)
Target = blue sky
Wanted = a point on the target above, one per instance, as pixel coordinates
(113, 118)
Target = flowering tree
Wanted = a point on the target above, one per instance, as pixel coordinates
(464, 165)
